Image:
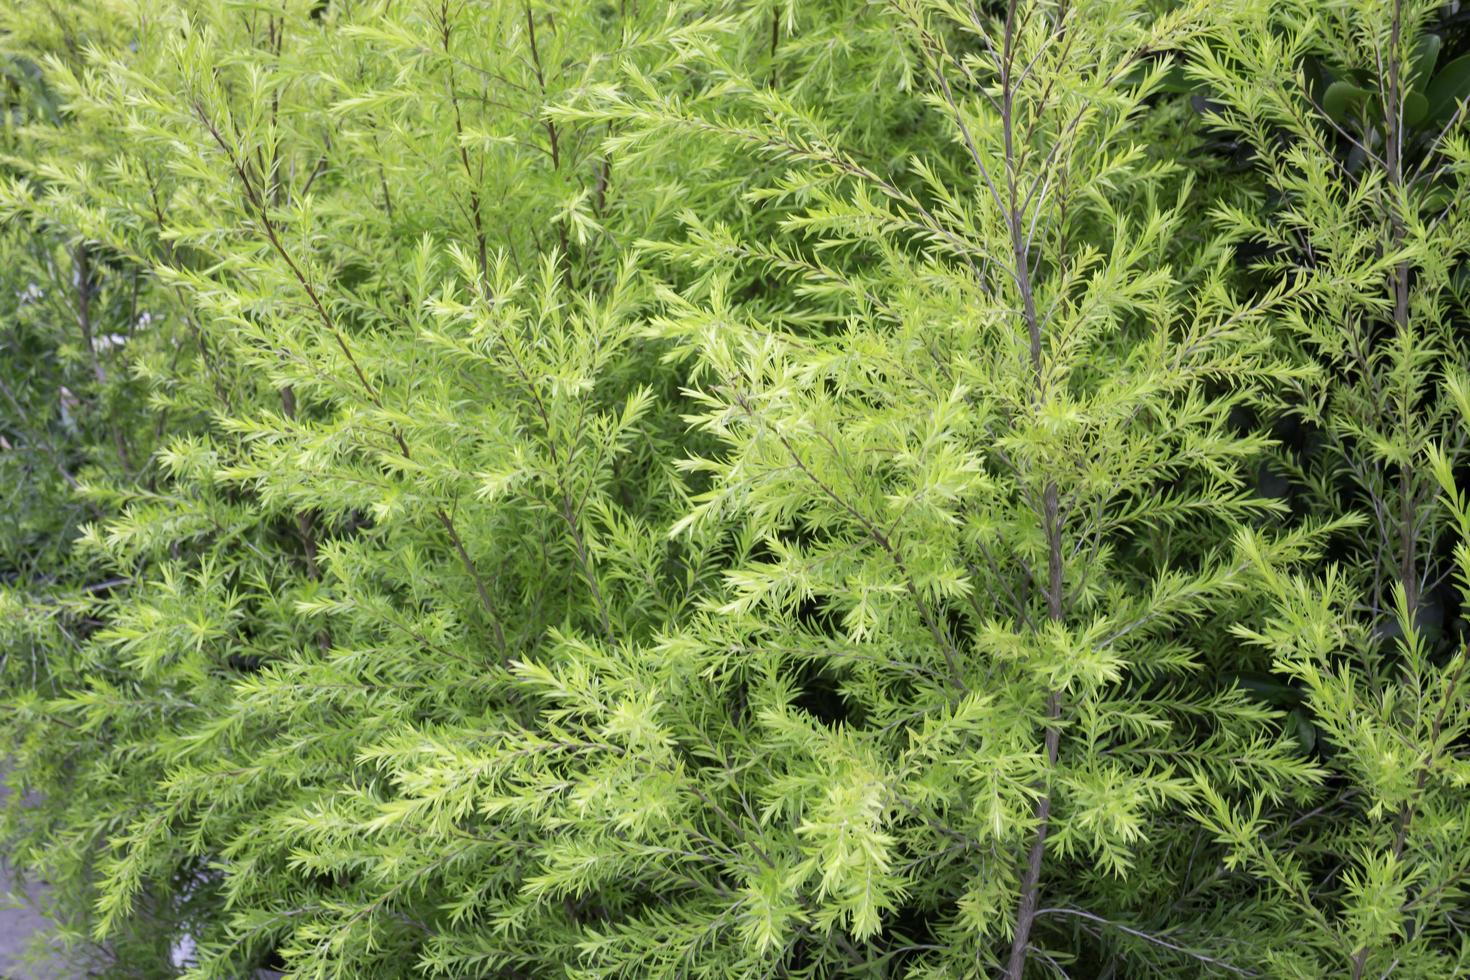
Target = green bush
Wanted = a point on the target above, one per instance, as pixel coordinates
(822, 489)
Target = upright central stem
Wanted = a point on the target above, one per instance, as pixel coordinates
(1030, 898)
(1408, 570)
(1030, 895)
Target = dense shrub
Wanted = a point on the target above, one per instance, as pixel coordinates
(832, 489)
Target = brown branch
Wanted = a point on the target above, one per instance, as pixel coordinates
(481, 248)
(269, 226)
(1408, 500)
(552, 135)
(569, 513)
(881, 539)
(46, 445)
(1014, 212)
(551, 132)
(1148, 938)
(85, 285)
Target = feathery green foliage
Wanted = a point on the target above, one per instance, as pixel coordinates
(824, 489)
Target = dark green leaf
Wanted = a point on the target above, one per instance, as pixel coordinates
(1416, 109)
(1340, 99)
(1426, 53)
(1449, 88)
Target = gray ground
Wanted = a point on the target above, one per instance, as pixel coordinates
(17, 926)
